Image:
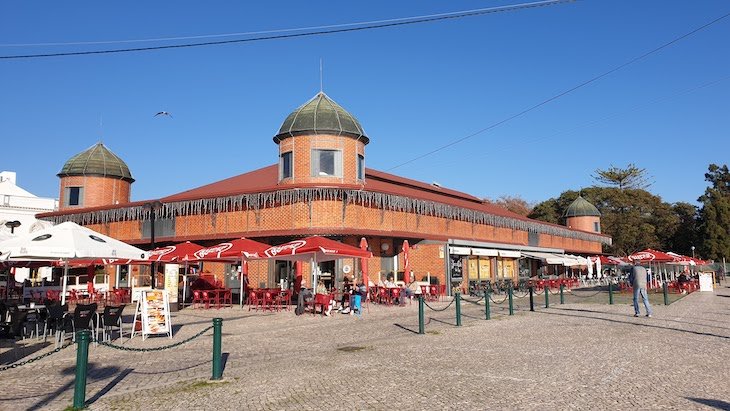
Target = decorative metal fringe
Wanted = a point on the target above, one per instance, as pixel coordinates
(382, 201)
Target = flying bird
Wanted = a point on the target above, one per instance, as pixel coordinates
(163, 113)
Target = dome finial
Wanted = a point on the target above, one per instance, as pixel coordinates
(321, 76)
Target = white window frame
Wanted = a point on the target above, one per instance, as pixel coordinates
(281, 165)
(67, 199)
(316, 170)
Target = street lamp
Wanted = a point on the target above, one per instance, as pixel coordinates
(152, 206)
(12, 225)
(693, 251)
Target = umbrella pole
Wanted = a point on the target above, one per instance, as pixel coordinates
(240, 296)
(65, 282)
(185, 284)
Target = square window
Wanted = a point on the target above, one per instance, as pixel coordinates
(326, 163)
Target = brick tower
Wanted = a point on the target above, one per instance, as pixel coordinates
(320, 142)
(582, 215)
(94, 177)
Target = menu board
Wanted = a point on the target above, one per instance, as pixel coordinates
(171, 282)
(456, 267)
(153, 311)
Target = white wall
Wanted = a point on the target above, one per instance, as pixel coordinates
(19, 204)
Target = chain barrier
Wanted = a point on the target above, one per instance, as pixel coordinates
(503, 299)
(164, 347)
(475, 302)
(441, 309)
(585, 296)
(521, 296)
(550, 290)
(34, 359)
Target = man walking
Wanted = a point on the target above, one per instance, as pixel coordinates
(638, 280)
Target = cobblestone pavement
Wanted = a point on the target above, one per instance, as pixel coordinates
(572, 356)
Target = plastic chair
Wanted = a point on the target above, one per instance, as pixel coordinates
(197, 298)
(111, 318)
(253, 300)
(82, 319)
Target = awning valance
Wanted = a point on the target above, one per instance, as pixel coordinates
(484, 252)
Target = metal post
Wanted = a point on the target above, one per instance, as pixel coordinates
(217, 357)
(532, 299)
(666, 293)
(547, 298)
(511, 305)
(82, 361)
(421, 323)
(610, 292)
(562, 296)
(487, 314)
(458, 309)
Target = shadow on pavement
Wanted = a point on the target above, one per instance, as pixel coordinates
(175, 370)
(624, 315)
(109, 386)
(637, 324)
(18, 352)
(403, 327)
(720, 405)
(94, 373)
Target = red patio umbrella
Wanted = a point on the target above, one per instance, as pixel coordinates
(653, 256)
(406, 262)
(240, 249)
(176, 252)
(316, 249)
(364, 264)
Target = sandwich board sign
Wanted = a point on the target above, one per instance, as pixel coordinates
(153, 313)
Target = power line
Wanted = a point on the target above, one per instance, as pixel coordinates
(427, 19)
(561, 94)
(251, 33)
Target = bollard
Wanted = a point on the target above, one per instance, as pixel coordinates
(487, 314)
(421, 323)
(666, 293)
(532, 299)
(511, 306)
(458, 309)
(217, 357)
(547, 299)
(562, 297)
(82, 361)
(610, 292)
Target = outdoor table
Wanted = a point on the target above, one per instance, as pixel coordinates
(27, 307)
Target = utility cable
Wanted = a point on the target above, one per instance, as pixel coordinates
(427, 19)
(563, 93)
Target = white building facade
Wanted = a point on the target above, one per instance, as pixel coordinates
(20, 206)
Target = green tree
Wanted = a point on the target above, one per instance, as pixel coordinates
(714, 221)
(631, 177)
(634, 218)
(685, 236)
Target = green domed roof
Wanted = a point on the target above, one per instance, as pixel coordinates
(581, 208)
(321, 115)
(97, 160)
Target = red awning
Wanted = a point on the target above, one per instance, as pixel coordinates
(174, 253)
(240, 248)
(654, 256)
(319, 248)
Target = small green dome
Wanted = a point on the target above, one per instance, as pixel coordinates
(97, 160)
(321, 115)
(581, 208)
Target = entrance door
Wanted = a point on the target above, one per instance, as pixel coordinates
(283, 274)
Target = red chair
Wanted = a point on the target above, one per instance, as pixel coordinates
(197, 298)
(322, 300)
(433, 293)
(253, 300)
(269, 300)
(383, 295)
(394, 296)
(227, 297)
(284, 300)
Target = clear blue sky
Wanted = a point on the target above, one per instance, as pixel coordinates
(413, 88)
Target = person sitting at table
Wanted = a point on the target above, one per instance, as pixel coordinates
(389, 280)
(321, 289)
(346, 291)
(358, 290)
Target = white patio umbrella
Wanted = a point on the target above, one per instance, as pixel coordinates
(66, 242)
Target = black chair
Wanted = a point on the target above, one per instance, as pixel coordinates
(111, 318)
(56, 318)
(17, 323)
(83, 318)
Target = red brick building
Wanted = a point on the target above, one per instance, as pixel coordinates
(320, 186)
